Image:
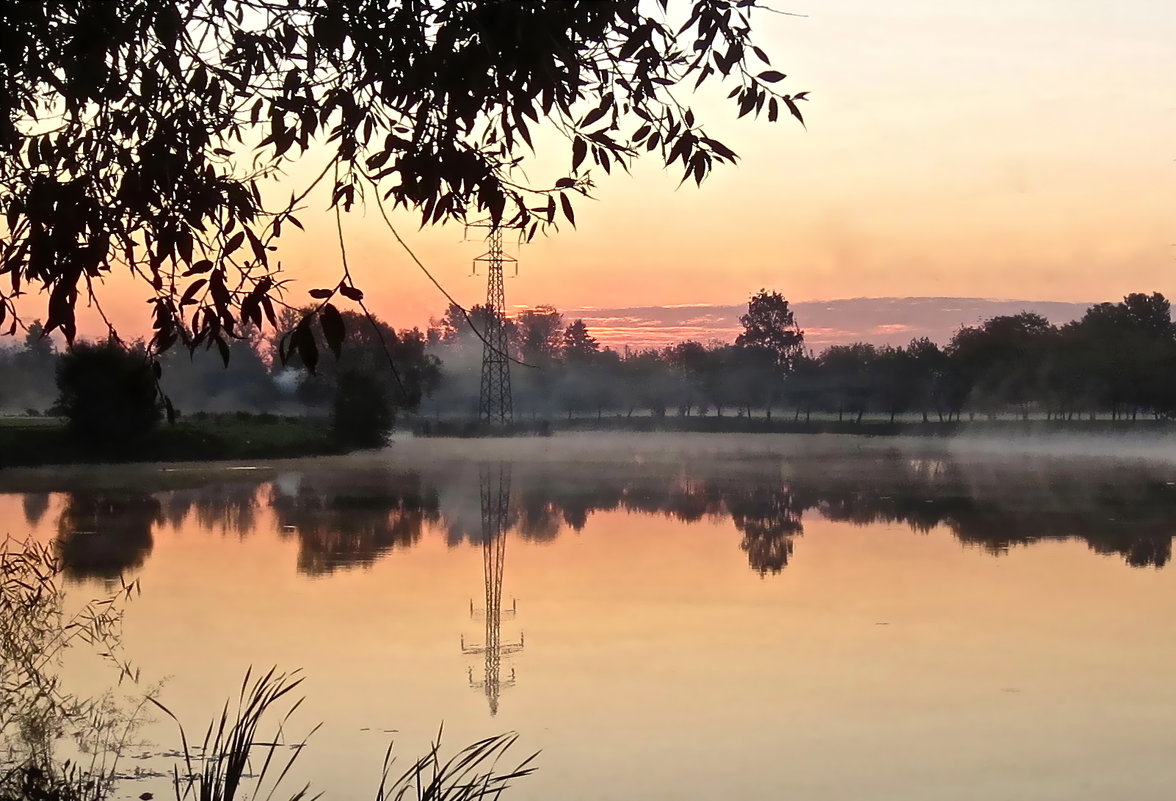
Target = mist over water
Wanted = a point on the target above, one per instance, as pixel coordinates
(815, 617)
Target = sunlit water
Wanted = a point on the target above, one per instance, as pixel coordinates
(766, 621)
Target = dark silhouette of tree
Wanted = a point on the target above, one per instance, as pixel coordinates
(579, 346)
(1003, 360)
(362, 415)
(396, 360)
(929, 375)
(849, 372)
(539, 334)
(107, 392)
(770, 324)
(431, 104)
(1130, 347)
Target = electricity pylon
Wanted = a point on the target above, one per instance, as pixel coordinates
(496, 406)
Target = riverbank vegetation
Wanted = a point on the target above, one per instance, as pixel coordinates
(1113, 369)
(243, 754)
(1118, 362)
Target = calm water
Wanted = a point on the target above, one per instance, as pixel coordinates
(662, 620)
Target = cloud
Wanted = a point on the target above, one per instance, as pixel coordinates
(880, 321)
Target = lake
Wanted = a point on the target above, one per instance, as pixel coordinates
(682, 618)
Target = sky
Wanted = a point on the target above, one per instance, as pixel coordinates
(1021, 149)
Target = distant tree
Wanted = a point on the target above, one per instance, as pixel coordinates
(770, 324)
(107, 392)
(539, 334)
(849, 372)
(397, 360)
(693, 364)
(1002, 362)
(579, 346)
(928, 372)
(1131, 348)
(201, 380)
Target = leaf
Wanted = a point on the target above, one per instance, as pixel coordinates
(795, 111)
(593, 115)
(193, 288)
(771, 76)
(223, 347)
(579, 152)
(333, 328)
(235, 242)
(320, 294)
(351, 293)
(565, 183)
(257, 247)
(202, 266)
(303, 342)
(567, 208)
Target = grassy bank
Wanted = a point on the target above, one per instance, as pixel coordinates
(876, 427)
(31, 442)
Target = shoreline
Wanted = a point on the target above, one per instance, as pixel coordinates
(222, 441)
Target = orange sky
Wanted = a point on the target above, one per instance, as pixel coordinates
(1016, 149)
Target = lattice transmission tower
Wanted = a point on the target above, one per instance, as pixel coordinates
(495, 491)
(496, 406)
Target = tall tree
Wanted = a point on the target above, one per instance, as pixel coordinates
(770, 324)
(539, 334)
(170, 116)
(579, 345)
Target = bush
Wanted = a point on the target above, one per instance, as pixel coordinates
(107, 393)
(362, 415)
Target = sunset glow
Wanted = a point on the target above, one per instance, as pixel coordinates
(1017, 150)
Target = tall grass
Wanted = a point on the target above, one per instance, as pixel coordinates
(36, 709)
(227, 752)
(233, 760)
(470, 775)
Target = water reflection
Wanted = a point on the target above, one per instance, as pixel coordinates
(345, 516)
(103, 535)
(494, 487)
(343, 523)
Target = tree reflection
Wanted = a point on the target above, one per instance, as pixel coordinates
(346, 517)
(102, 535)
(339, 528)
(768, 517)
(34, 505)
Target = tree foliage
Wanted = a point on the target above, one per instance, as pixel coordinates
(769, 324)
(143, 133)
(1119, 358)
(108, 393)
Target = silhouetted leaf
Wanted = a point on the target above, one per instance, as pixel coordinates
(234, 243)
(771, 76)
(334, 330)
(579, 152)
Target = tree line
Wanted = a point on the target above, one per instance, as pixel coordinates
(1119, 360)
(113, 392)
